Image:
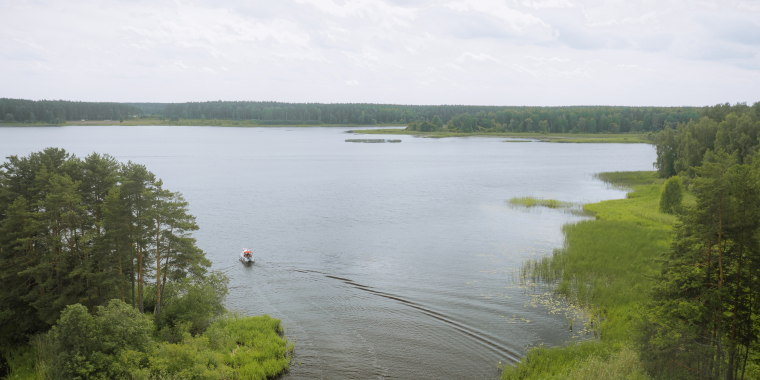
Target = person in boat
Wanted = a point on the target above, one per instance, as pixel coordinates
(247, 254)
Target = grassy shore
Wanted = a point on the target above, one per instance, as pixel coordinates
(605, 267)
(625, 138)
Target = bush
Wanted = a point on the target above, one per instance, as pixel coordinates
(671, 195)
(195, 300)
(87, 345)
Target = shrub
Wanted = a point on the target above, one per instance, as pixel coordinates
(671, 195)
(87, 345)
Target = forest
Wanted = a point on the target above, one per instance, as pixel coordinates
(703, 318)
(60, 111)
(452, 118)
(100, 277)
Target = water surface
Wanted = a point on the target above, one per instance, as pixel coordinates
(382, 260)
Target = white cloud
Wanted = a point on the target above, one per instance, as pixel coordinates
(547, 4)
(424, 51)
(477, 57)
(518, 21)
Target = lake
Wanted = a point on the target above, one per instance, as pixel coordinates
(382, 260)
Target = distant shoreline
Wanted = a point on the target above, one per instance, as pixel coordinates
(617, 138)
(190, 123)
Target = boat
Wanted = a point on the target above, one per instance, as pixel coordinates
(246, 257)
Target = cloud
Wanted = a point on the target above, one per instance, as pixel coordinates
(477, 57)
(516, 20)
(419, 51)
(543, 4)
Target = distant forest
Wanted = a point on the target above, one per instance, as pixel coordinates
(586, 119)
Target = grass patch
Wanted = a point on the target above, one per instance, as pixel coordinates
(533, 202)
(605, 267)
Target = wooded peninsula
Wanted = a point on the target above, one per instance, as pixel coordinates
(100, 278)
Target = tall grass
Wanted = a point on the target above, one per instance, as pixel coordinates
(579, 361)
(605, 267)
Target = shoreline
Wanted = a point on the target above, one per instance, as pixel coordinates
(608, 277)
(620, 138)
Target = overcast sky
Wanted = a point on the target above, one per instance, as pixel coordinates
(495, 52)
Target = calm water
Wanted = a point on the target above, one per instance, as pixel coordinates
(382, 260)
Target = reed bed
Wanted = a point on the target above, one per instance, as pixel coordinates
(604, 267)
(533, 202)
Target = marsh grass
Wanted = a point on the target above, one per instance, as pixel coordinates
(580, 361)
(626, 180)
(605, 266)
(533, 202)
(528, 203)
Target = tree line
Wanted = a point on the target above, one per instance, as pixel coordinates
(704, 318)
(457, 118)
(60, 111)
(587, 119)
(91, 230)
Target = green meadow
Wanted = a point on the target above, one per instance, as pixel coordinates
(605, 268)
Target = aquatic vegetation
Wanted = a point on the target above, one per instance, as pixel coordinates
(533, 202)
(370, 140)
(606, 267)
(579, 361)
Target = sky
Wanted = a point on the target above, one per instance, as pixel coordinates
(485, 52)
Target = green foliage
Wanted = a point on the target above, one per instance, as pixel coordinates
(90, 230)
(252, 346)
(701, 321)
(423, 126)
(195, 300)
(27, 110)
(116, 343)
(190, 359)
(86, 346)
(671, 195)
(682, 150)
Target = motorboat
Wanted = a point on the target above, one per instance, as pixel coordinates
(246, 257)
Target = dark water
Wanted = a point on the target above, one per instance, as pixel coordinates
(382, 260)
